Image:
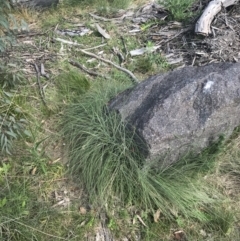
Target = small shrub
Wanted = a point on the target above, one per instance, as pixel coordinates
(12, 122)
(6, 20)
(6, 35)
(10, 76)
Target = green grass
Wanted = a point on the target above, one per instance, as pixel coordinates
(103, 7)
(98, 144)
(105, 156)
(71, 84)
(26, 201)
(199, 195)
(110, 8)
(180, 10)
(151, 63)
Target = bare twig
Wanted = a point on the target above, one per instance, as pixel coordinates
(106, 19)
(43, 73)
(39, 84)
(104, 60)
(140, 219)
(113, 64)
(67, 42)
(119, 54)
(177, 34)
(95, 47)
(23, 35)
(124, 45)
(74, 63)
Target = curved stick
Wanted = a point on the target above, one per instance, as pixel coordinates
(214, 7)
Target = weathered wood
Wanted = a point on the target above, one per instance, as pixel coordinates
(214, 7)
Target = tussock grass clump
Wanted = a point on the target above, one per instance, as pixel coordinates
(104, 154)
(101, 152)
(71, 84)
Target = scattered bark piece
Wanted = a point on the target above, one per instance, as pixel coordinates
(83, 210)
(67, 42)
(102, 32)
(141, 221)
(141, 51)
(156, 215)
(179, 235)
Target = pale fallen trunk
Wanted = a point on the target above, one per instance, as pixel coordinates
(203, 24)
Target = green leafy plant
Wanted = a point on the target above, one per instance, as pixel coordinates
(3, 202)
(12, 121)
(8, 25)
(6, 35)
(10, 76)
(3, 171)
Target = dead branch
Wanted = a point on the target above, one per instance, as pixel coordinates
(103, 60)
(76, 64)
(67, 42)
(106, 19)
(39, 84)
(113, 64)
(95, 47)
(214, 7)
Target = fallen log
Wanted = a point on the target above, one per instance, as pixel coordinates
(214, 7)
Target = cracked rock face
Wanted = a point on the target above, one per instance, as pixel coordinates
(183, 110)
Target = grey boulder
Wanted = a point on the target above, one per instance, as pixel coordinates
(184, 110)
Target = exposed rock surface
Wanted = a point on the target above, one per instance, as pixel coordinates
(183, 110)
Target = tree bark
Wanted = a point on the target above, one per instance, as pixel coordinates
(214, 7)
